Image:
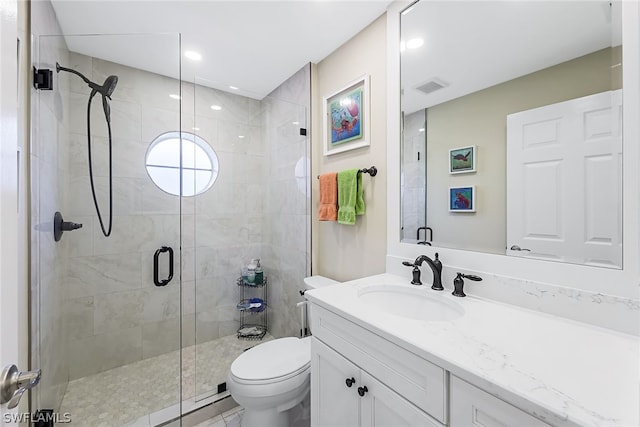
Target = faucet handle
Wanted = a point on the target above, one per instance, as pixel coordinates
(415, 279)
(458, 284)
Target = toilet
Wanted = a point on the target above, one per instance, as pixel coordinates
(272, 380)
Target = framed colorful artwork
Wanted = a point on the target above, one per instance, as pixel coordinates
(462, 199)
(346, 117)
(463, 159)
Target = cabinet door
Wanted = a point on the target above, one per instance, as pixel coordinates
(382, 407)
(471, 406)
(333, 403)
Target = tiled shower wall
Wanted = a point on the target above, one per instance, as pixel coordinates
(413, 175)
(117, 315)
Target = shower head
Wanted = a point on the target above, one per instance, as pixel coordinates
(106, 89)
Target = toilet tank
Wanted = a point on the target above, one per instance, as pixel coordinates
(315, 282)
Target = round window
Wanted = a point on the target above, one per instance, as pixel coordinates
(168, 158)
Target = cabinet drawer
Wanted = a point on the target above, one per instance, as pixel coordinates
(471, 406)
(415, 379)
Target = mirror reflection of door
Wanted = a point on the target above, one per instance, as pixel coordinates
(522, 56)
(564, 164)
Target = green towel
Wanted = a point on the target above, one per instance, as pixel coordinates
(350, 196)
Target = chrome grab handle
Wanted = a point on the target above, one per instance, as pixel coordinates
(14, 383)
(518, 248)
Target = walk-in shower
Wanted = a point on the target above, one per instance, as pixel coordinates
(114, 347)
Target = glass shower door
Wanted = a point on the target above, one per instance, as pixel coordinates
(257, 207)
(106, 310)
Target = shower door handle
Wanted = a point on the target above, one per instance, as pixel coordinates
(156, 257)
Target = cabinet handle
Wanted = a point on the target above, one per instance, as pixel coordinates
(362, 390)
(350, 381)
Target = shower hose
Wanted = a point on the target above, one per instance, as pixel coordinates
(106, 231)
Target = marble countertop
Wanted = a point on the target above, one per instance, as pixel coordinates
(562, 371)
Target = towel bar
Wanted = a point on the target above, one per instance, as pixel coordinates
(373, 171)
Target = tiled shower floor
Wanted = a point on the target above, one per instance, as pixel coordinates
(147, 392)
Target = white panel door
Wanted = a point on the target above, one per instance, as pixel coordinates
(564, 181)
(8, 192)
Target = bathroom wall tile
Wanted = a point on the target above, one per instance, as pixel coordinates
(119, 310)
(94, 275)
(160, 337)
(206, 326)
(81, 241)
(240, 138)
(105, 351)
(156, 121)
(79, 317)
(161, 303)
(152, 200)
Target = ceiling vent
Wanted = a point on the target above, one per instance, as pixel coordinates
(431, 86)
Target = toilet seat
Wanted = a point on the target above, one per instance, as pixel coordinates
(273, 361)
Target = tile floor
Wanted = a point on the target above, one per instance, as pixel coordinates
(147, 392)
(232, 418)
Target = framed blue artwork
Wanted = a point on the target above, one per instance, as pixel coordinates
(346, 117)
(462, 199)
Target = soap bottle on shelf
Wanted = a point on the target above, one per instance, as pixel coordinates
(251, 272)
(259, 273)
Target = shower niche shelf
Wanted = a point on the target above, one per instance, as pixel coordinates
(253, 309)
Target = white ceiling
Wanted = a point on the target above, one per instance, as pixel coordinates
(472, 45)
(253, 45)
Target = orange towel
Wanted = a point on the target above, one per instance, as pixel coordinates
(328, 197)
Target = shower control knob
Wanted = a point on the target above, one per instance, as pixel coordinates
(350, 381)
(60, 226)
(362, 390)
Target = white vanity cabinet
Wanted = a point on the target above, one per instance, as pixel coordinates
(402, 389)
(471, 406)
(343, 395)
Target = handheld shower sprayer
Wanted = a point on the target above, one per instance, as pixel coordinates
(106, 89)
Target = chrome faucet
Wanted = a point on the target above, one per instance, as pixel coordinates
(436, 268)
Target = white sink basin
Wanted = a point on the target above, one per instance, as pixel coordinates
(419, 303)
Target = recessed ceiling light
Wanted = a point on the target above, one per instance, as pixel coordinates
(195, 128)
(296, 123)
(421, 130)
(174, 96)
(233, 88)
(414, 43)
(193, 55)
(240, 136)
(216, 107)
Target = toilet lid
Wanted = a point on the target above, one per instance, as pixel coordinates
(273, 360)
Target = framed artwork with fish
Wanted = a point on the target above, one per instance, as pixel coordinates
(462, 199)
(463, 159)
(346, 117)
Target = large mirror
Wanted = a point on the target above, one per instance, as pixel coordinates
(512, 128)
